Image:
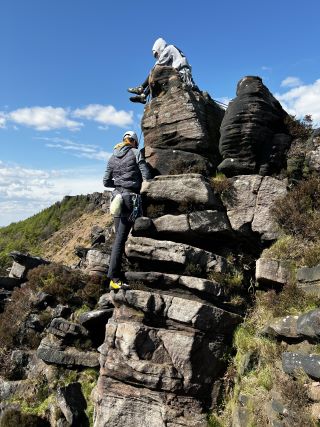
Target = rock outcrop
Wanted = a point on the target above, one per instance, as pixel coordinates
(180, 126)
(254, 137)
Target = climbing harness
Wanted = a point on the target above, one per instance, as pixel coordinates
(137, 207)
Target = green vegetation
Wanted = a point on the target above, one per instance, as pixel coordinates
(255, 372)
(67, 286)
(298, 215)
(26, 236)
(220, 183)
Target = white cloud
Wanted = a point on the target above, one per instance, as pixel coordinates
(302, 100)
(2, 120)
(44, 118)
(291, 82)
(88, 151)
(26, 191)
(105, 114)
(266, 68)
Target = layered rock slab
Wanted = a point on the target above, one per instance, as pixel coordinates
(179, 192)
(172, 255)
(118, 404)
(171, 346)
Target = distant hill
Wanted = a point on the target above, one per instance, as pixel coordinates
(36, 234)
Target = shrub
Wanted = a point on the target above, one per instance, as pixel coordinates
(66, 285)
(291, 300)
(298, 128)
(220, 183)
(15, 418)
(298, 213)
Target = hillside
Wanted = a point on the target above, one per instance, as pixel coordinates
(36, 234)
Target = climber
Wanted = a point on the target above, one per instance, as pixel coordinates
(125, 172)
(170, 56)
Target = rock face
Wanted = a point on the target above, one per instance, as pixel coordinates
(181, 357)
(173, 256)
(309, 279)
(249, 202)
(177, 122)
(23, 263)
(254, 138)
(271, 271)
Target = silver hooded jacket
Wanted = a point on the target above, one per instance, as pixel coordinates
(169, 55)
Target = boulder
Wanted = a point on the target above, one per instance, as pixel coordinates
(186, 311)
(199, 228)
(283, 327)
(97, 262)
(313, 156)
(23, 263)
(120, 404)
(308, 324)
(174, 256)
(309, 363)
(249, 203)
(272, 271)
(180, 119)
(308, 280)
(254, 137)
(52, 350)
(66, 330)
(72, 404)
(179, 192)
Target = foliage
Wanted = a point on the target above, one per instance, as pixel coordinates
(26, 236)
(298, 213)
(14, 315)
(220, 183)
(299, 128)
(15, 418)
(291, 300)
(66, 285)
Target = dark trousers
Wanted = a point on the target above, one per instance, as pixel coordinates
(146, 87)
(122, 226)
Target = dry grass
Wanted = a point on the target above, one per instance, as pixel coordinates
(60, 247)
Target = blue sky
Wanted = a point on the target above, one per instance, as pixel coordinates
(66, 65)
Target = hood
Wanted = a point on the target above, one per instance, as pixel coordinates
(121, 149)
(159, 46)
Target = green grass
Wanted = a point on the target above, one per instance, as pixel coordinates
(26, 236)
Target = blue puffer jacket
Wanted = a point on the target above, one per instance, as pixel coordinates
(126, 169)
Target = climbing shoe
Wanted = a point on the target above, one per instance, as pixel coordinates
(115, 286)
(137, 90)
(140, 98)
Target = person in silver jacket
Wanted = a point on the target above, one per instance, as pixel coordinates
(166, 55)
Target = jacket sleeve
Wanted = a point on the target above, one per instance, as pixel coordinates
(107, 179)
(165, 57)
(143, 165)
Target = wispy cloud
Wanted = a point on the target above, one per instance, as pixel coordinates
(44, 118)
(2, 120)
(302, 100)
(266, 68)
(105, 115)
(88, 151)
(25, 191)
(291, 82)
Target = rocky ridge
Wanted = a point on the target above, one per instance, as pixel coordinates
(193, 261)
